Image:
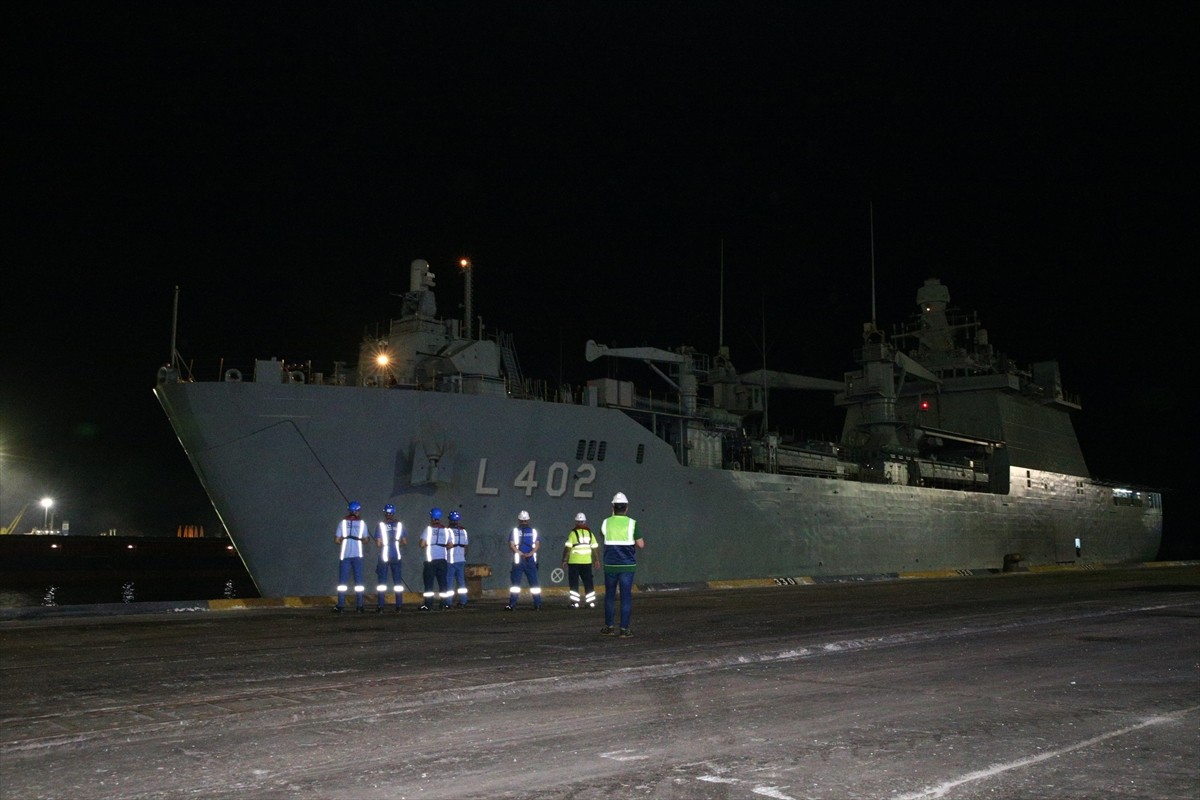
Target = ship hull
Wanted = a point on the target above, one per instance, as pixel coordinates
(280, 461)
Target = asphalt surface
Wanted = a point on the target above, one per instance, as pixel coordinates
(1082, 684)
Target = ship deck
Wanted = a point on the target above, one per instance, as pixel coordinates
(1078, 683)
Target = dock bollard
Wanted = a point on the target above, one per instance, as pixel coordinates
(475, 575)
(1012, 563)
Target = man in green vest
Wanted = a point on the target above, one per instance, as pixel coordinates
(622, 540)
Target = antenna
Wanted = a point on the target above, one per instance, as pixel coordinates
(174, 327)
(721, 310)
(871, 210)
(766, 425)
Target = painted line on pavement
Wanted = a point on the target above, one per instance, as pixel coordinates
(941, 789)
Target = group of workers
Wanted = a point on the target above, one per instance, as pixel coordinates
(445, 547)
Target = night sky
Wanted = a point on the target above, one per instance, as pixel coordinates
(282, 163)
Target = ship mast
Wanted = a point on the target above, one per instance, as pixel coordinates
(721, 301)
(871, 217)
(174, 327)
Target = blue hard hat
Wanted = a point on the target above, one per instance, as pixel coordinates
(355, 506)
(455, 516)
(435, 513)
(389, 509)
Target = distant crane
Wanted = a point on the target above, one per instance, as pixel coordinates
(12, 527)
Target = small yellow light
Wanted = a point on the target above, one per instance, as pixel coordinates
(382, 359)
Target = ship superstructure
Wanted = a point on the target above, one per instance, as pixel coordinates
(950, 457)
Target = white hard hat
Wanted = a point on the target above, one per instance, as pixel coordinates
(523, 516)
(620, 497)
(581, 517)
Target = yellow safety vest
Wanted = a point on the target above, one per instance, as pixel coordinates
(582, 542)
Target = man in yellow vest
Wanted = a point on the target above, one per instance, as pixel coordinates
(579, 558)
(622, 540)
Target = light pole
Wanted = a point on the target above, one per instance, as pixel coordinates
(46, 503)
(468, 326)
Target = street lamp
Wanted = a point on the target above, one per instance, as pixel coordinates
(46, 503)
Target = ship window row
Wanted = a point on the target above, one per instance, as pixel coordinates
(590, 450)
(1127, 497)
(596, 450)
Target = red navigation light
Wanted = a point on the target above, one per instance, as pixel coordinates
(924, 404)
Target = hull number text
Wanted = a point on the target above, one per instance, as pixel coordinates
(556, 481)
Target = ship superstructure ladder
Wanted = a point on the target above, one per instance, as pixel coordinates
(508, 356)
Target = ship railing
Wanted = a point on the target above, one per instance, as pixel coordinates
(239, 370)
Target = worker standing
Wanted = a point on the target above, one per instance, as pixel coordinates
(456, 561)
(434, 541)
(524, 543)
(390, 538)
(622, 540)
(351, 532)
(579, 559)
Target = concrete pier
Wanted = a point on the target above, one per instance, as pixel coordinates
(1071, 684)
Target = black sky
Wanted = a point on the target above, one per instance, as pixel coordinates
(283, 162)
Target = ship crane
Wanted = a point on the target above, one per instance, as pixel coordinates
(12, 526)
(687, 385)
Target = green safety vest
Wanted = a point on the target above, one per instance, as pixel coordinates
(618, 530)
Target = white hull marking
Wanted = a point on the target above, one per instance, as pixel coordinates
(479, 487)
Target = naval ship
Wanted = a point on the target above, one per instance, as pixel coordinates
(951, 457)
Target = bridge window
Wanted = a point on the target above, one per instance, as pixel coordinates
(1127, 497)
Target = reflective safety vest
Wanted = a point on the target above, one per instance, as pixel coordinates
(524, 537)
(389, 539)
(618, 530)
(434, 541)
(350, 534)
(581, 543)
(459, 538)
(620, 548)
